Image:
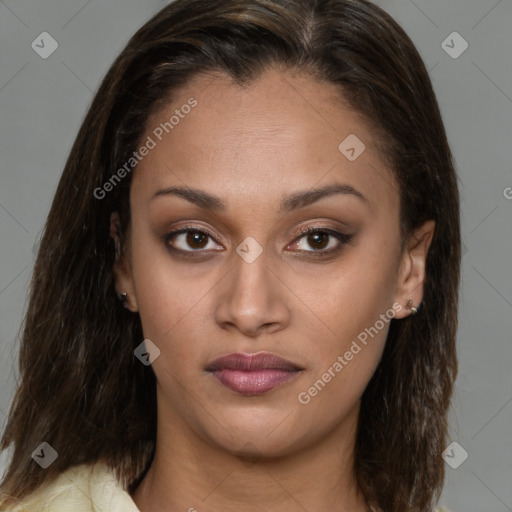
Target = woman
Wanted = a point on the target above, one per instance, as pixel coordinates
(246, 291)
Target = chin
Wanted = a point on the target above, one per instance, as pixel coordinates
(255, 434)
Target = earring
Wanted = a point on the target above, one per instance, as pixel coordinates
(410, 306)
(122, 297)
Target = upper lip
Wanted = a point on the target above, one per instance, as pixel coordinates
(251, 362)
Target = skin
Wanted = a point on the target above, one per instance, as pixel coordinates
(252, 146)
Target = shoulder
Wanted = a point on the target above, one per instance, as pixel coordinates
(82, 488)
(441, 509)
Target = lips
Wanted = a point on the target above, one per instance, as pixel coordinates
(252, 374)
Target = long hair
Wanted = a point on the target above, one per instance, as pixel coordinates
(82, 390)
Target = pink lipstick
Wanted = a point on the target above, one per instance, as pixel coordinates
(252, 374)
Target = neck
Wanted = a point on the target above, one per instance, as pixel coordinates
(188, 473)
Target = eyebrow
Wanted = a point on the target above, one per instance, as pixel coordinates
(291, 202)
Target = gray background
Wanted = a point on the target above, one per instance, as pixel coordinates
(43, 102)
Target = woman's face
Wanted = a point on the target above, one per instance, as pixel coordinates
(246, 171)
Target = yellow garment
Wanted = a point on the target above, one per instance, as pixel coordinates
(84, 488)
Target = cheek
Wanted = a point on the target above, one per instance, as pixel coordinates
(170, 301)
(349, 298)
(347, 351)
(351, 310)
(334, 394)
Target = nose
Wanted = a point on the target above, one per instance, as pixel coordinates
(252, 298)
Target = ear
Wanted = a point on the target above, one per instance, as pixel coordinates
(411, 275)
(122, 270)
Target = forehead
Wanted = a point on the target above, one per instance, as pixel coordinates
(281, 131)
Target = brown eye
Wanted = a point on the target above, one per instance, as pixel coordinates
(190, 240)
(318, 240)
(196, 239)
(321, 242)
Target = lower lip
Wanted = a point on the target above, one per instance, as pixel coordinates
(253, 383)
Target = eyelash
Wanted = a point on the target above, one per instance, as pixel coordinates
(343, 238)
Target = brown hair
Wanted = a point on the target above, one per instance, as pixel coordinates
(81, 388)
